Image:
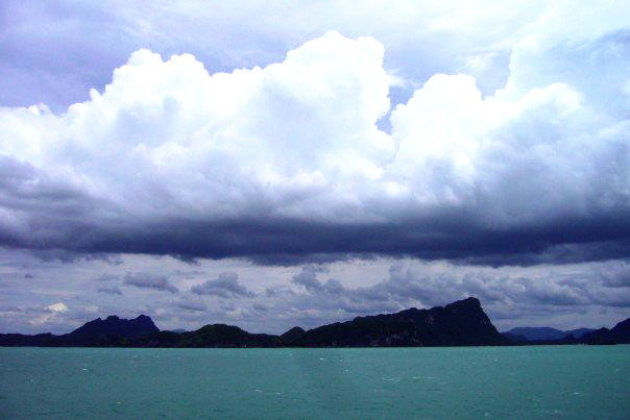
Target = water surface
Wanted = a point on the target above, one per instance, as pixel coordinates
(573, 382)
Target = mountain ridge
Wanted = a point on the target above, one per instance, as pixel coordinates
(619, 334)
(109, 331)
(461, 323)
(525, 334)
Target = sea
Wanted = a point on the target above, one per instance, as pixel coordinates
(529, 382)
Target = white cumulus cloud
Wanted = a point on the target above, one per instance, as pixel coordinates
(175, 152)
(57, 307)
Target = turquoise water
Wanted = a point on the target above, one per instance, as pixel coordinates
(573, 382)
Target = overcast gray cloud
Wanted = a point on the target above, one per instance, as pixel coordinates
(111, 290)
(225, 286)
(150, 281)
(563, 296)
(509, 294)
(189, 305)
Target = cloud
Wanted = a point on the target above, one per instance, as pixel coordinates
(540, 295)
(192, 306)
(260, 307)
(113, 290)
(57, 307)
(42, 46)
(589, 294)
(307, 278)
(617, 276)
(226, 286)
(150, 281)
(38, 316)
(106, 277)
(286, 162)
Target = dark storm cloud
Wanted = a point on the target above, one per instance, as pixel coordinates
(150, 281)
(449, 234)
(226, 286)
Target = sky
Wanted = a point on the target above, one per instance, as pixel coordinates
(272, 164)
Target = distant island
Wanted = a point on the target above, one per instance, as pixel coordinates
(525, 334)
(461, 323)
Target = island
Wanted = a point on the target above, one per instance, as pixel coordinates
(461, 323)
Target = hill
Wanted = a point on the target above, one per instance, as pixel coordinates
(619, 334)
(462, 323)
(112, 331)
(525, 334)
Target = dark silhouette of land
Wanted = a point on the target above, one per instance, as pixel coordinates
(619, 334)
(100, 332)
(462, 323)
(525, 334)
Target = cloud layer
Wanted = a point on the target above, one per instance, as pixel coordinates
(153, 281)
(287, 162)
(61, 296)
(226, 286)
